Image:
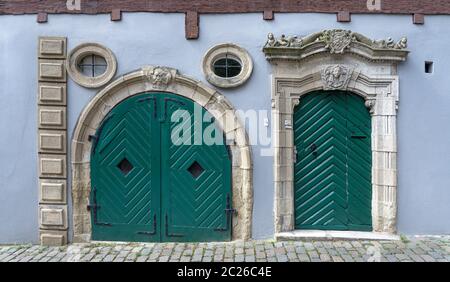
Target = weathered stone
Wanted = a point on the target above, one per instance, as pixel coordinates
(52, 70)
(52, 166)
(52, 47)
(53, 217)
(52, 191)
(52, 94)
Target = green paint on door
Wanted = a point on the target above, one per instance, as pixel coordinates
(145, 187)
(332, 190)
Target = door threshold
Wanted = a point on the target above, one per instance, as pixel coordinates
(299, 235)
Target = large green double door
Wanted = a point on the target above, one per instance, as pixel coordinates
(152, 180)
(332, 190)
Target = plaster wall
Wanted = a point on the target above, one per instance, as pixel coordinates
(159, 39)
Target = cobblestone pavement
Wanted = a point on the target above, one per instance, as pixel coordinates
(436, 249)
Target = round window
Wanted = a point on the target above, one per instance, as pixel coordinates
(227, 65)
(91, 65)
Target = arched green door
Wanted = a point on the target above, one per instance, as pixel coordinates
(332, 190)
(145, 187)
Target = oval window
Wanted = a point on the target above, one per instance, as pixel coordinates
(227, 67)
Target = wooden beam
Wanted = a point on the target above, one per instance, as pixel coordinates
(427, 7)
(268, 15)
(344, 17)
(116, 15)
(42, 17)
(192, 25)
(419, 19)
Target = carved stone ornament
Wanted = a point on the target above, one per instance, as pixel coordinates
(337, 40)
(159, 76)
(336, 77)
(370, 104)
(390, 43)
(283, 41)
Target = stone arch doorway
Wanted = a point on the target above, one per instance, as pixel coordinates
(160, 80)
(160, 172)
(332, 171)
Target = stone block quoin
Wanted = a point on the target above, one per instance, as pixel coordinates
(52, 140)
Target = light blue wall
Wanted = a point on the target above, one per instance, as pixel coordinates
(158, 39)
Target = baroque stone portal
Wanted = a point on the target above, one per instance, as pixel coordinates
(337, 60)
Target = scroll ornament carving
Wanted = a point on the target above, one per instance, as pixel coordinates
(336, 77)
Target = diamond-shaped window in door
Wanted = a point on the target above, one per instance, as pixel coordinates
(125, 166)
(195, 169)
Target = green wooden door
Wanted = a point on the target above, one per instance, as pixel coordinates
(145, 188)
(332, 190)
(196, 178)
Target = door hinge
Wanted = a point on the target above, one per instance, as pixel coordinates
(94, 208)
(229, 211)
(358, 136)
(165, 106)
(295, 155)
(94, 138)
(155, 106)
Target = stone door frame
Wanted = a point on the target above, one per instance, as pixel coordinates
(336, 60)
(160, 79)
